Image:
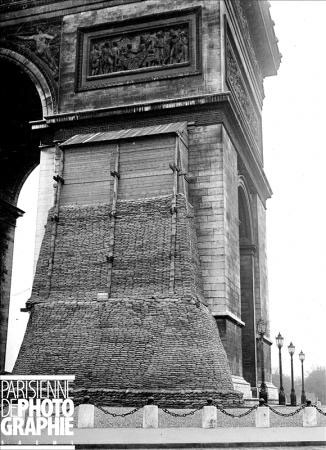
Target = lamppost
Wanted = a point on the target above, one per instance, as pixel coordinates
(303, 394)
(261, 329)
(293, 397)
(281, 394)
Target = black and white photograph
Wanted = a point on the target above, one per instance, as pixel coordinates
(162, 224)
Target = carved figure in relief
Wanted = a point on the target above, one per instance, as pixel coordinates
(115, 55)
(106, 58)
(95, 56)
(136, 51)
(42, 46)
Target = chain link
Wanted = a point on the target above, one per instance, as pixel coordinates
(292, 413)
(320, 410)
(222, 410)
(173, 414)
(116, 414)
(249, 411)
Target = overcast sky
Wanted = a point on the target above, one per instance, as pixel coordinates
(295, 163)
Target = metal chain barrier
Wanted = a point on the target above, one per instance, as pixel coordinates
(173, 414)
(292, 413)
(320, 410)
(116, 414)
(222, 410)
(249, 411)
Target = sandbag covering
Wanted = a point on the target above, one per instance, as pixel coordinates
(153, 335)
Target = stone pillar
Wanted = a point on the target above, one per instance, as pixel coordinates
(8, 216)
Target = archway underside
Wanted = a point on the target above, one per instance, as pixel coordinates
(247, 283)
(25, 97)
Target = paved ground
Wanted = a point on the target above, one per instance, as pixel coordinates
(189, 437)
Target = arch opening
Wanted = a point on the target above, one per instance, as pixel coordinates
(247, 287)
(19, 155)
(22, 266)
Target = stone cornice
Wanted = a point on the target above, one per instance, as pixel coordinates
(261, 28)
(266, 339)
(265, 41)
(229, 316)
(9, 213)
(12, 12)
(248, 249)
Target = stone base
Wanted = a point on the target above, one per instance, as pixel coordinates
(241, 385)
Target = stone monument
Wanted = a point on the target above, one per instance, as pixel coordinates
(151, 244)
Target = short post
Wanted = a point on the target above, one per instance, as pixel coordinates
(150, 414)
(309, 417)
(262, 415)
(86, 413)
(209, 415)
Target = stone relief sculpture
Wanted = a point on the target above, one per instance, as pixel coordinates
(237, 84)
(42, 46)
(42, 40)
(125, 52)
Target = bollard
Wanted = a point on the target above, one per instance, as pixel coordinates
(209, 417)
(262, 417)
(309, 417)
(85, 417)
(150, 414)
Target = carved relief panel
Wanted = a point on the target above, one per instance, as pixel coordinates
(237, 83)
(164, 46)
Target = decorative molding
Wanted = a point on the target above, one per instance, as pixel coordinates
(266, 339)
(229, 316)
(40, 77)
(163, 46)
(236, 82)
(13, 5)
(243, 23)
(248, 249)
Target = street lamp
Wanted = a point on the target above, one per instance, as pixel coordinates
(303, 394)
(261, 329)
(281, 394)
(293, 397)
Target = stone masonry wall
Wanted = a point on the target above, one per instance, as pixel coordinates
(231, 235)
(213, 163)
(214, 195)
(207, 197)
(208, 81)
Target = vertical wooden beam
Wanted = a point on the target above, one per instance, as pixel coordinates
(175, 169)
(59, 163)
(116, 175)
